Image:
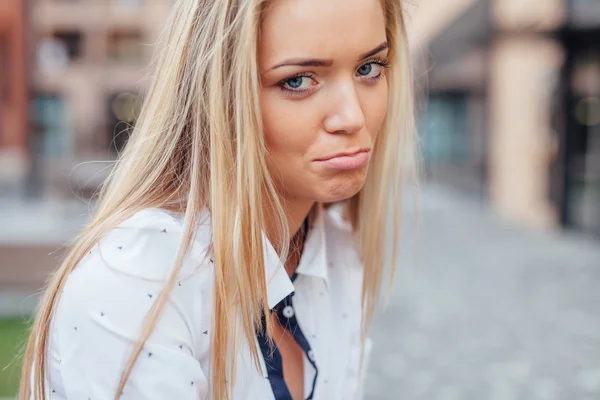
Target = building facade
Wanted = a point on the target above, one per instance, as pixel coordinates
(511, 114)
(514, 106)
(90, 65)
(581, 95)
(13, 92)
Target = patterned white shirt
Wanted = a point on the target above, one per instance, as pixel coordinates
(105, 299)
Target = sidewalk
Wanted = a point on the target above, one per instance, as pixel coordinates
(41, 222)
(32, 239)
(483, 309)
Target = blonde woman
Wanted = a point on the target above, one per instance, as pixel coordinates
(238, 247)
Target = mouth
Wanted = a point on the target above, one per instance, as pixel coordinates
(344, 154)
(346, 160)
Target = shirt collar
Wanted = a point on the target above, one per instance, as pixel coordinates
(279, 284)
(313, 261)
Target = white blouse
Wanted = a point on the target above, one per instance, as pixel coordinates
(102, 309)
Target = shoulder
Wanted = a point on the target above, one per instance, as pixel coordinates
(138, 254)
(115, 285)
(104, 307)
(145, 245)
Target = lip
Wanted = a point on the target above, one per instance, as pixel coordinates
(343, 154)
(346, 160)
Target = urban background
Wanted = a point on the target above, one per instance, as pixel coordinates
(498, 295)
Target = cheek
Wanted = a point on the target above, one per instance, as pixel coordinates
(290, 127)
(375, 104)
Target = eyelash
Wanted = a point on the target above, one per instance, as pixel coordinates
(385, 64)
(295, 92)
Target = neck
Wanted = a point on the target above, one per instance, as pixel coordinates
(296, 210)
(296, 214)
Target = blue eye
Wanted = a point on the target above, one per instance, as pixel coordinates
(295, 82)
(372, 70)
(365, 69)
(299, 84)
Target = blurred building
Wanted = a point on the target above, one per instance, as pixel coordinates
(90, 64)
(513, 114)
(13, 92)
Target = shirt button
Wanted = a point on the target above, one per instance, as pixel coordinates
(288, 312)
(311, 355)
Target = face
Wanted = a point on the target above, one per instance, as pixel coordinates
(324, 94)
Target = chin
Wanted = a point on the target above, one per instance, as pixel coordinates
(340, 188)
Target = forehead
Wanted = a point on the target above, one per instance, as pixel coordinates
(332, 29)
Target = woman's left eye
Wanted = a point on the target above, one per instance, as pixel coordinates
(370, 70)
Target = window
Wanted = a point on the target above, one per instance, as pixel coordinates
(585, 13)
(125, 46)
(72, 42)
(445, 131)
(583, 184)
(49, 125)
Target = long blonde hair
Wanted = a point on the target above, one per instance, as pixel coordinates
(199, 137)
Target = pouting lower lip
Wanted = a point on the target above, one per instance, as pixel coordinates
(346, 163)
(347, 154)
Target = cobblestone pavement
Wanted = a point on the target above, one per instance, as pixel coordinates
(486, 310)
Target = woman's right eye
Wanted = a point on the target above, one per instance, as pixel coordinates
(297, 84)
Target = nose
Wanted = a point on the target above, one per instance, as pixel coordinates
(346, 115)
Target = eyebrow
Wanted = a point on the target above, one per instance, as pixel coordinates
(316, 62)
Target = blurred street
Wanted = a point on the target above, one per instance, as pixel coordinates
(482, 309)
(497, 295)
(486, 310)
(32, 234)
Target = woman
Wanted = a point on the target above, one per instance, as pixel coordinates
(238, 247)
